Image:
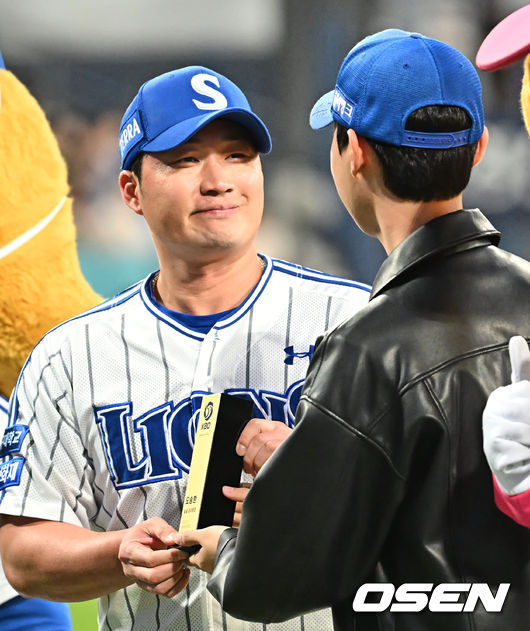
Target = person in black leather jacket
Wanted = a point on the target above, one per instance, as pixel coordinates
(383, 479)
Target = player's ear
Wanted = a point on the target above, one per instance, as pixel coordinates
(357, 152)
(130, 191)
(481, 146)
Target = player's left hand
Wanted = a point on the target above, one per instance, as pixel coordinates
(208, 539)
(258, 441)
(237, 495)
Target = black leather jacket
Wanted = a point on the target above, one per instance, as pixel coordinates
(385, 471)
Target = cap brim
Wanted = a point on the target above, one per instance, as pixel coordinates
(321, 115)
(178, 134)
(507, 42)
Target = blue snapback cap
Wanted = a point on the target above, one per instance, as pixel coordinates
(172, 107)
(2, 64)
(389, 75)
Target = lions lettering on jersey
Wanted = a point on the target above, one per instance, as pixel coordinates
(166, 434)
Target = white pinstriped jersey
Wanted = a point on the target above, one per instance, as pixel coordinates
(6, 591)
(111, 400)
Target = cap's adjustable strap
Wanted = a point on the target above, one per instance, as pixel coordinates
(436, 140)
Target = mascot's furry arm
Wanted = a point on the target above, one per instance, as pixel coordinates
(525, 91)
(42, 283)
(506, 419)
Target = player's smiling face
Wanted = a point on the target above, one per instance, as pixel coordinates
(204, 195)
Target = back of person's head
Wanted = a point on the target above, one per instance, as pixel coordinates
(418, 103)
(417, 174)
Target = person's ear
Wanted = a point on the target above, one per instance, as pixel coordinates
(481, 146)
(357, 152)
(130, 191)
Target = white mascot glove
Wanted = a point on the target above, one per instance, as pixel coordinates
(506, 424)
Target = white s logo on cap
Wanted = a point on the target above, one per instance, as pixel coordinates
(198, 83)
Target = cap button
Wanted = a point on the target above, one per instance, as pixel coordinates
(415, 35)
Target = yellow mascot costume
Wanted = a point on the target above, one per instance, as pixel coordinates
(42, 283)
(506, 419)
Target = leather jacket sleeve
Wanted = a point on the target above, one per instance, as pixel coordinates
(295, 551)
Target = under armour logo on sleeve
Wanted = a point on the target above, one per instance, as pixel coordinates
(290, 354)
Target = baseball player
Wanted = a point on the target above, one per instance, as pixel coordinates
(108, 401)
(506, 419)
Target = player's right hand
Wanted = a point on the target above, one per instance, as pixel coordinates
(506, 424)
(258, 441)
(149, 562)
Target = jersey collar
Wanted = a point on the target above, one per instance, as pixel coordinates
(154, 308)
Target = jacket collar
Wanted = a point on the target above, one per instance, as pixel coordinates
(449, 233)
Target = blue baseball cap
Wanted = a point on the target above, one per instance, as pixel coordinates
(172, 107)
(2, 64)
(389, 75)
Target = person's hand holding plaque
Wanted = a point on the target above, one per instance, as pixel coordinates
(237, 494)
(258, 441)
(208, 540)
